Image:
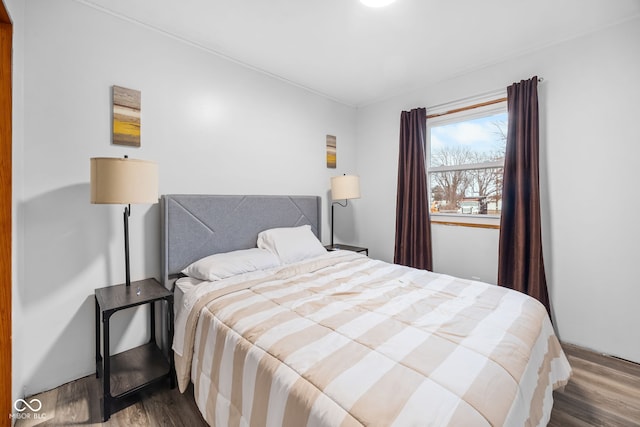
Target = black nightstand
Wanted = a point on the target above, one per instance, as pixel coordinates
(133, 370)
(347, 248)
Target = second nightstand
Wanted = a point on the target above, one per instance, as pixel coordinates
(133, 370)
(338, 246)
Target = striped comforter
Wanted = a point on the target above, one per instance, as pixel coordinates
(345, 340)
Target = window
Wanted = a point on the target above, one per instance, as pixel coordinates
(465, 161)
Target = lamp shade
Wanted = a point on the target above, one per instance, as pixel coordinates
(123, 181)
(345, 187)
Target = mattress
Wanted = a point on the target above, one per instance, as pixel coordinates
(345, 340)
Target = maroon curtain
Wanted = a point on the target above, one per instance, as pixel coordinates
(413, 227)
(520, 263)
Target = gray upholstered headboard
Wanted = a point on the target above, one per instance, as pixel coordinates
(194, 226)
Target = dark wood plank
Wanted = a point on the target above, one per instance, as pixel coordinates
(617, 364)
(588, 410)
(79, 403)
(173, 409)
(612, 388)
(603, 391)
(73, 403)
(564, 419)
(131, 415)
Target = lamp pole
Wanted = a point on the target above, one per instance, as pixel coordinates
(126, 214)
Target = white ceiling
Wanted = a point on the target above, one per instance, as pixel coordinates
(357, 55)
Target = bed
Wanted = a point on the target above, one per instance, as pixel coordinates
(288, 334)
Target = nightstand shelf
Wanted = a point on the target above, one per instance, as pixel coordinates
(340, 246)
(134, 369)
(131, 371)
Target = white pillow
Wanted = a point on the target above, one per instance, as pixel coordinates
(223, 265)
(291, 244)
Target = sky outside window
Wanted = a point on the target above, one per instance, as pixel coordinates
(484, 136)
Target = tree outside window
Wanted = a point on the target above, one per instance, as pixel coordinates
(466, 161)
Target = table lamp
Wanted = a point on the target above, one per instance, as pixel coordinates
(124, 181)
(343, 187)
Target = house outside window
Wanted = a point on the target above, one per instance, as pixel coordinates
(465, 162)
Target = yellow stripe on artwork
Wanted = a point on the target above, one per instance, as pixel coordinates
(126, 128)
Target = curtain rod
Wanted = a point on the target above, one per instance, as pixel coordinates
(471, 107)
(468, 107)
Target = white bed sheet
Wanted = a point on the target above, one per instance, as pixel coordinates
(182, 286)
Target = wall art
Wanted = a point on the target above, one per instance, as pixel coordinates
(331, 151)
(126, 116)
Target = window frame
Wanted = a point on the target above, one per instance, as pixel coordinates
(455, 113)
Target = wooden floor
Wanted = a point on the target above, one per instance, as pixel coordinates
(603, 391)
(78, 404)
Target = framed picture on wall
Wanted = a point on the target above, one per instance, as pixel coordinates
(331, 151)
(126, 116)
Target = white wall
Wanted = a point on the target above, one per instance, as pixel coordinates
(589, 152)
(212, 125)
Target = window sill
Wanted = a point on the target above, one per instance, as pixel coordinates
(466, 220)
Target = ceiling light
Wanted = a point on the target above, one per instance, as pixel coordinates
(376, 3)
